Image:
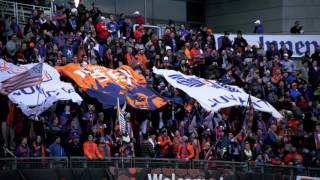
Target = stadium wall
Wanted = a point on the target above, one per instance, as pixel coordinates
(278, 16)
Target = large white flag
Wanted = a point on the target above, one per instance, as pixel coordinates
(36, 99)
(213, 95)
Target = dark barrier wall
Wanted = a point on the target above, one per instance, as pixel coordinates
(131, 174)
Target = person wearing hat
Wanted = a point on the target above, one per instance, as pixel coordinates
(129, 129)
(139, 18)
(102, 30)
(55, 149)
(185, 150)
(287, 64)
(258, 27)
(104, 148)
(91, 150)
(165, 143)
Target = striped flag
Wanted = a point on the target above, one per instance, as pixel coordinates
(248, 120)
(121, 119)
(29, 78)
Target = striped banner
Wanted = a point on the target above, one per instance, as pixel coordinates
(29, 78)
(121, 119)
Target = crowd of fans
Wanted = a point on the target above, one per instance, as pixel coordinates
(181, 129)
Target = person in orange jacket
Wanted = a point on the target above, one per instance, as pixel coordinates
(165, 143)
(142, 59)
(185, 150)
(104, 148)
(91, 150)
(177, 141)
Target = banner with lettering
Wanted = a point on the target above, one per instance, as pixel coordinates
(35, 100)
(213, 95)
(106, 85)
(298, 44)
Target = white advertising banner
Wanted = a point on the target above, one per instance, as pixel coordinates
(213, 95)
(298, 44)
(35, 100)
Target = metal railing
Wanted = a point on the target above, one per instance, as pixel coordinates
(121, 162)
(22, 11)
(33, 163)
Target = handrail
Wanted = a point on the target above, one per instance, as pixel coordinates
(21, 11)
(141, 162)
(149, 26)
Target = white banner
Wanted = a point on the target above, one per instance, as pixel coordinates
(213, 95)
(34, 100)
(298, 44)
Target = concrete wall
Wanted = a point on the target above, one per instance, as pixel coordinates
(277, 15)
(306, 11)
(232, 15)
(156, 9)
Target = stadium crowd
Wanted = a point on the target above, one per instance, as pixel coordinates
(181, 129)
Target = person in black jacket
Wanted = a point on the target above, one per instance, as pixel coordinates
(148, 147)
(297, 28)
(314, 74)
(239, 42)
(226, 42)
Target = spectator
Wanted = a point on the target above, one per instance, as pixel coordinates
(296, 28)
(226, 42)
(74, 146)
(139, 18)
(104, 148)
(314, 74)
(148, 149)
(284, 50)
(287, 64)
(177, 140)
(185, 150)
(55, 149)
(38, 147)
(258, 27)
(165, 143)
(102, 30)
(112, 26)
(239, 42)
(293, 157)
(91, 150)
(23, 149)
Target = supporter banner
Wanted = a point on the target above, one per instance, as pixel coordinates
(109, 84)
(213, 95)
(299, 44)
(307, 178)
(137, 173)
(35, 100)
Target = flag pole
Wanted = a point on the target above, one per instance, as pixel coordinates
(39, 85)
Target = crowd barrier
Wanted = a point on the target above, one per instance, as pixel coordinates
(151, 163)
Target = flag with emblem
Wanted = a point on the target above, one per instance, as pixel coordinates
(28, 78)
(121, 119)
